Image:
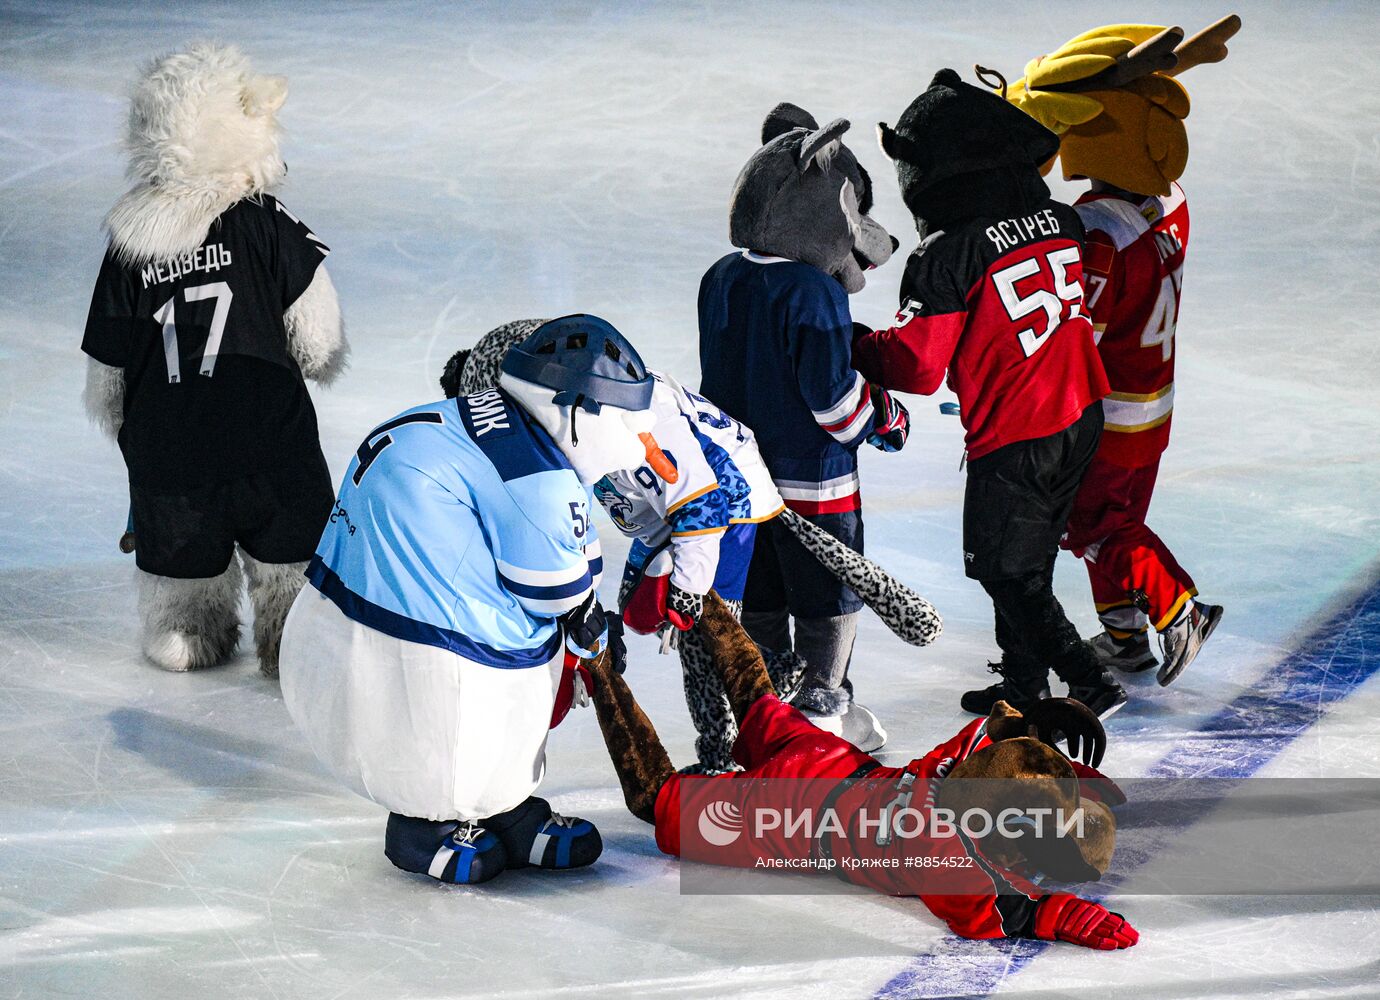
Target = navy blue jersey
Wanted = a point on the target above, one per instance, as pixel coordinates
(776, 354)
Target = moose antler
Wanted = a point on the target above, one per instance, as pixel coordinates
(988, 75)
(1050, 718)
(1154, 55)
(1207, 46)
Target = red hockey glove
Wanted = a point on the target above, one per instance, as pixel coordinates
(646, 608)
(649, 600)
(891, 425)
(1062, 917)
(576, 688)
(654, 602)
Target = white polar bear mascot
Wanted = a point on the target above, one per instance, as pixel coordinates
(211, 307)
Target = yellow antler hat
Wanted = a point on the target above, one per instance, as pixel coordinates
(1111, 97)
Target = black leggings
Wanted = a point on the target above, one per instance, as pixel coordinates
(1033, 632)
(1015, 508)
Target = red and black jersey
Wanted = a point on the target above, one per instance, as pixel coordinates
(798, 769)
(1134, 260)
(998, 304)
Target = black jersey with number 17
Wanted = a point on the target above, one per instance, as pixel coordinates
(211, 390)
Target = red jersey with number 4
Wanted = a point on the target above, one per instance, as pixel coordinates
(998, 304)
(1134, 261)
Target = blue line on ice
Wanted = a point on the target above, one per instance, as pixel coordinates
(1326, 667)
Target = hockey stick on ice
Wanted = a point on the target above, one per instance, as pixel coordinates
(905, 612)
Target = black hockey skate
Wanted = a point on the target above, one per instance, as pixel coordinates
(463, 853)
(1088, 680)
(1020, 691)
(1101, 693)
(1131, 655)
(535, 836)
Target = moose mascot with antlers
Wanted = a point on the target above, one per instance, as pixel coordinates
(1112, 97)
(981, 887)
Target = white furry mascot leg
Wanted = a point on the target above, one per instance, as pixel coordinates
(190, 624)
(272, 589)
(212, 306)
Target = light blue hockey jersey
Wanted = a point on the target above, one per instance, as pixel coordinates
(459, 524)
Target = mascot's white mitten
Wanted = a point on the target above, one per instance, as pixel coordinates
(104, 397)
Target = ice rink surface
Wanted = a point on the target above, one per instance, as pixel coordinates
(171, 835)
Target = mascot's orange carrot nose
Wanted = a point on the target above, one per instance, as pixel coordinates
(657, 459)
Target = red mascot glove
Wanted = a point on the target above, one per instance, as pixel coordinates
(646, 610)
(891, 422)
(654, 602)
(1062, 917)
(575, 688)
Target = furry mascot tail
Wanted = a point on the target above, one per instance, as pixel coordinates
(905, 612)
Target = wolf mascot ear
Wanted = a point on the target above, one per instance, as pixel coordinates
(803, 196)
(784, 117)
(821, 145)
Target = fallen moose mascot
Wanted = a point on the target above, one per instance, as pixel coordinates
(980, 886)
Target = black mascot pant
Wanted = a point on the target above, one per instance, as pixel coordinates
(1015, 510)
(275, 516)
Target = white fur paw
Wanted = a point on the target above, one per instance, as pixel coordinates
(863, 729)
(104, 396)
(180, 651)
(316, 333)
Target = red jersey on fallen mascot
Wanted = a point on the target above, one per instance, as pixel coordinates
(1133, 263)
(816, 772)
